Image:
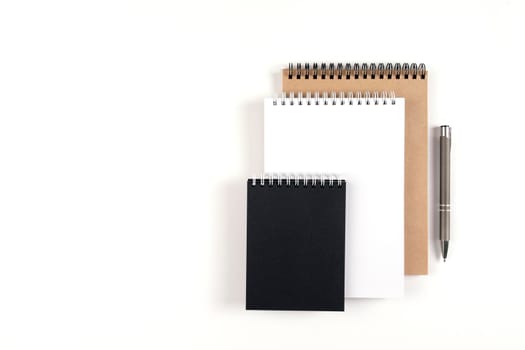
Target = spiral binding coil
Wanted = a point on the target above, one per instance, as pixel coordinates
(357, 71)
(297, 180)
(349, 98)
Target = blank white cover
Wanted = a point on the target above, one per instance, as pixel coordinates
(365, 144)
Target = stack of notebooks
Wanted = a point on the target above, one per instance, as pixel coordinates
(343, 209)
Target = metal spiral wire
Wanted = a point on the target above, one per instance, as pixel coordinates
(297, 180)
(356, 71)
(349, 98)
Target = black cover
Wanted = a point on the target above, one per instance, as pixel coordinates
(295, 246)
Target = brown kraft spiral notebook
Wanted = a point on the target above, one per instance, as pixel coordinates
(410, 82)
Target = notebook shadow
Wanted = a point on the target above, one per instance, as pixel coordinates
(253, 137)
(231, 279)
(277, 81)
(434, 192)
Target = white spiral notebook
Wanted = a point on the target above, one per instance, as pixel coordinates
(361, 138)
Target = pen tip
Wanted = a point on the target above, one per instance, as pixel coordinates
(444, 260)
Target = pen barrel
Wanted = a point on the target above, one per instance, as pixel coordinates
(444, 185)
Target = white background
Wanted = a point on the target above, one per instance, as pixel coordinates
(127, 130)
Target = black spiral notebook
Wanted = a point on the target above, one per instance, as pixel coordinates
(295, 244)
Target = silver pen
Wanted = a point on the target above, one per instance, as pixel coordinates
(444, 189)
